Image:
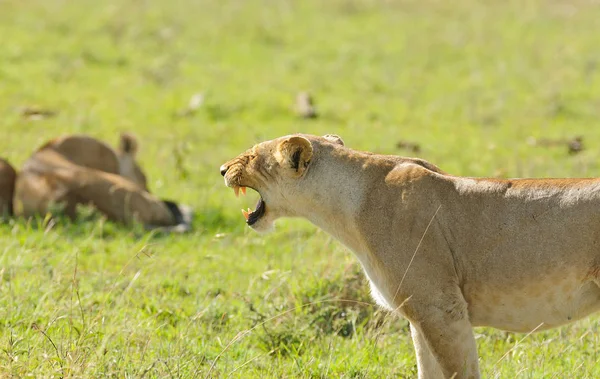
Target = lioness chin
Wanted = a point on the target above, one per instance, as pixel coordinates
(448, 253)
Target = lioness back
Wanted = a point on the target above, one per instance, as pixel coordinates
(85, 151)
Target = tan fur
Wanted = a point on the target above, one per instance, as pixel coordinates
(79, 169)
(448, 253)
(7, 186)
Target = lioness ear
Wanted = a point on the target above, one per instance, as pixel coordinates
(128, 144)
(295, 153)
(334, 138)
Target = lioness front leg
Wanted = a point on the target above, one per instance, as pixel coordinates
(443, 332)
(426, 363)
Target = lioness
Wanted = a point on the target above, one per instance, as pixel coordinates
(449, 253)
(7, 187)
(79, 169)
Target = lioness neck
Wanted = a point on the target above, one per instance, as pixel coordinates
(334, 191)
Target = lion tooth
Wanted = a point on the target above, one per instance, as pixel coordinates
(236, 190)
(243, 190)
(246, 214)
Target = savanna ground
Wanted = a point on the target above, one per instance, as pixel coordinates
(472, 84)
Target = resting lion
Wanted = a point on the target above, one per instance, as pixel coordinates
(7, 187)
(448, 253)
(79, 169)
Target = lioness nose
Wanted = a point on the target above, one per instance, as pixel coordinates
(223, 170)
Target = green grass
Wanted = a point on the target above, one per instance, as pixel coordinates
(468, 82)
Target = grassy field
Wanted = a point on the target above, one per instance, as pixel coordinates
(472, 84)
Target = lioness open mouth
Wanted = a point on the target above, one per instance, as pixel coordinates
(251, 216)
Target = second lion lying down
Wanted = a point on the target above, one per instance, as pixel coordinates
(448, 253)
(79, 169)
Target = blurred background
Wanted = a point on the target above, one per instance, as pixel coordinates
(502, 89)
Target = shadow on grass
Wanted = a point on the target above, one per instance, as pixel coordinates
(337, 305)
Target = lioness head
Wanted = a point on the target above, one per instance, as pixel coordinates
(276, 170)
(128, 167)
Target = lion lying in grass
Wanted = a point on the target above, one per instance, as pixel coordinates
(448, 253)
(7, 187)
(79, 169)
